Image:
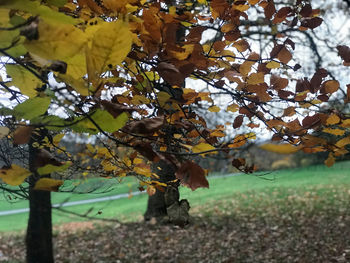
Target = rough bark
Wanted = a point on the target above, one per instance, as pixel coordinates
(156, 206)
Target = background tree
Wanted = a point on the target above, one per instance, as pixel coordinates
(115, 70)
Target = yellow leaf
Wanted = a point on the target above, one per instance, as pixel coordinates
(163, 97)
(37, 9)
(76, 66)
(49, 168)
(232, 108)
(48, 184)
(330, 160)
(57, 41)
(110, 45)
(273, 64)
(57, 138)
(337, 132)
(202, 147)
(187, 50)
(345, 123)
(143, 170)
(15, 175)
(250, 136)
(256, 78)
(333, 119)
(23, 79)
(241, 8)
(108, 166)
(280, 148)
(238, 141)
(341, 143)
(214, 109)
(139, 99)
(217, 134)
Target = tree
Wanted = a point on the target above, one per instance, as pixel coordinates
(115, 70)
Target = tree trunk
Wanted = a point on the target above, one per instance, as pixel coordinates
(39, 229)
(156, 206)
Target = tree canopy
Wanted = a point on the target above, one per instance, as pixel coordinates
(143, 76)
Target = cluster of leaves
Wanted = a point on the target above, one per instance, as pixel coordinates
(118, 69)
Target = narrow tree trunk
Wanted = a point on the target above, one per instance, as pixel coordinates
(39, 229)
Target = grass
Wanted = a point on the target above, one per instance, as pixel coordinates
(276, 184)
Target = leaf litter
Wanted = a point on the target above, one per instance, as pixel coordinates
(282, 225)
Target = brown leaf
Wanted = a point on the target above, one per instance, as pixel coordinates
(282, 14)
(310, 121)
(284, 55)
(146, 150)
(312, 22)
(344, 53)
(238, 121)
(306, 11)
(278, 83)
(115, 108)
(192, 175)
(145, 126)
(195, 34)
(269, 10)
(22, 135)
(170, 74)
(44, 157)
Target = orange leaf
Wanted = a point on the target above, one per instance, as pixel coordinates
(330, 160)
(285, 148)
(333, 119)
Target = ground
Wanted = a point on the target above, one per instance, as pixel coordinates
(284, 225)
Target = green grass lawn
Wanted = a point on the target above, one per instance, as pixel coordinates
(129, 209)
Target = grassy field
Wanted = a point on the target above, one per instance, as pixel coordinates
(277, 184)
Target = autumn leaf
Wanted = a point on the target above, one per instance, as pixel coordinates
(330, 160)
(273, 64)
(22, 135)
(280, 148)
(56, 41)
(146, 126)
(344, 52)
(15, 175)
(48, 184)
(214, 109)
(192, 175)
(23, 79)
(333, 119)
(50, 168)
(232, 108)
(112, 50)
(337, 132)
(202, 147)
